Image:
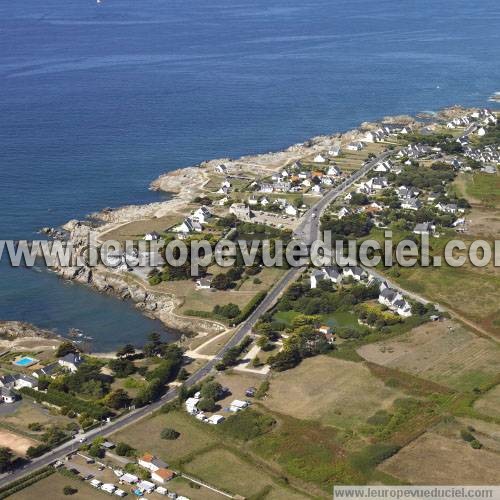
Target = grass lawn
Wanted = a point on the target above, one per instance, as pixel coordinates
(338, 319)
(145, 436)
(52, 488)
(135, 230)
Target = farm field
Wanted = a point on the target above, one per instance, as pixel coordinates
(479, 188)
(489, 403)
(443, 352)
(438, 460)
(225, 470)
(332, 391)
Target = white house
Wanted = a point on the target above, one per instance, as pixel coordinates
(7, 395)
(394, 301)
(151, 463)
(411, 204)
(204, 283)
(71, 361)
(319, 159)
(355, 272)
(355, 146)
(335, 151)
(202, 214)
(449, 208)
(162, 475)
(221, 169)
(333, 171)
(153, 236)
(291, 210)
(240, 210)
(326, 273)
(343, 212)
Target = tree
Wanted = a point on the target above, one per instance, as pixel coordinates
(36, 451)
(65, 348)
(5, 458)
(96, 451)
(149, 393)
(211, 390)
(118, 399)
(122, 367)
(207, 404)
(264, 344)
(125, 351)
(221, 282)
(169, 433)
(69, 490)
(228, 311)
(124, 450)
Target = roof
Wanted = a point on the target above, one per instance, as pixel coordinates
(389, 293)
(147, 457)
(72, 357)
(164, 473)
(159, 463)
(129, 478)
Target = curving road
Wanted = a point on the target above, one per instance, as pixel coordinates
(307, 231)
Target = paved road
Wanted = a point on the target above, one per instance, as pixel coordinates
(309, 228)
(307, 231)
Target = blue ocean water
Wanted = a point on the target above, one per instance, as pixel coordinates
(96, 100)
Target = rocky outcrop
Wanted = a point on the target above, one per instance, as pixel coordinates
(19, 329)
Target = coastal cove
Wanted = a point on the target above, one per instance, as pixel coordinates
(109, 113)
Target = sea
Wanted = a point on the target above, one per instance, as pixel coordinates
(98, 99)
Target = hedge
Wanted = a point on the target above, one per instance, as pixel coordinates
(26, 481)
(61, 399)
(250, 307)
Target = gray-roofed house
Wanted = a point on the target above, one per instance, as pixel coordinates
(71, 361)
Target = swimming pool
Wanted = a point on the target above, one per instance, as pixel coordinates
(25, 361)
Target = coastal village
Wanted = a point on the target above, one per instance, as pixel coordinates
(422, 364)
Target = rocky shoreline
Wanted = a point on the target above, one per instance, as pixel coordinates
(184, 184)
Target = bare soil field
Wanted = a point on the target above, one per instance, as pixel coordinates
(332, 391)
(443, 352)
(435, 459)
(18, 444)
